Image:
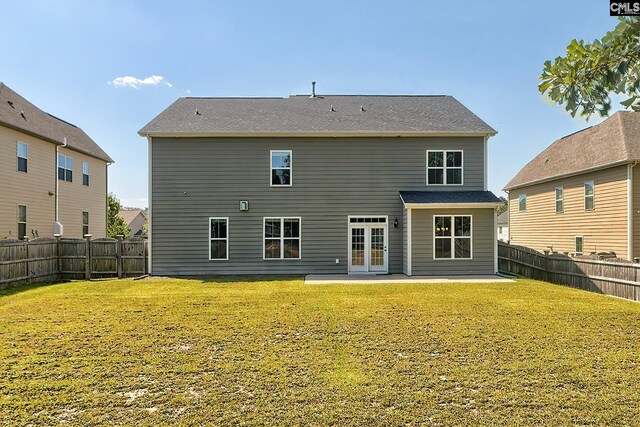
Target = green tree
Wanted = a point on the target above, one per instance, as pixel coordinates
(115, 223)
(583, 80)
(504, 206)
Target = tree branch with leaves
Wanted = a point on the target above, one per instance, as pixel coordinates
(584, 79)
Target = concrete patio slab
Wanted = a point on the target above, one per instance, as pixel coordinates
(325, 279)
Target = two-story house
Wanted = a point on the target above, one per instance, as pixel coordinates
(582, 193)
(320, 184)
(53, 175)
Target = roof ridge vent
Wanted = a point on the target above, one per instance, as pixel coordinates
(362, 108)
(23, 116)
(197, 113)
(332, 109)
(10, 104)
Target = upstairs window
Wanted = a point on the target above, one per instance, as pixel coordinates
(22, 221)
(85, 173)
(522, 202)
(282, 238)
(281, 168)
(218, 238)
(444, 167)
(559, 200)
(452, 237)
(85, 223)
(22, 150)
(65, 168)
(589, 196)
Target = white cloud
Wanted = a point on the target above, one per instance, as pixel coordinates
(134, 82)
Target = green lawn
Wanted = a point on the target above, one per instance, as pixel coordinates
(277, 352)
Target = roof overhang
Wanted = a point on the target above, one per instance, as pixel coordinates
(367, 134)
(451, 205)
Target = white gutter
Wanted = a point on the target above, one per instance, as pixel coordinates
(495, 240)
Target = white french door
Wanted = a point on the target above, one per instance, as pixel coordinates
(368, 245)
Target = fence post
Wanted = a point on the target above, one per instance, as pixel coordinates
(87, 254)
(26, 239)
(119, 255)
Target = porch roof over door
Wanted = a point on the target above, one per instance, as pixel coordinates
(449, 199)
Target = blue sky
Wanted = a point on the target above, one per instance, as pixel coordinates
(65, 55)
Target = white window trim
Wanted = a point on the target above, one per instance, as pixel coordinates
(88, 174)
(593, 196)
(226, 258)
(290, 168)
(444, 166)
(86, 224)
(452, 237)
(282, 238)
(576, 244)
(18, 144)
(387, 245)
(65, 167)
(559, 200)
(25, 222)
(525, 202)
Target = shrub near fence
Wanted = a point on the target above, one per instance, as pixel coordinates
(28, 261)
(610, 278)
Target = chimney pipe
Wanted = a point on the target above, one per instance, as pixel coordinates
(313, 90)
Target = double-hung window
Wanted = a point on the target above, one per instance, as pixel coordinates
(452, 237)
(522, 202)
(65, 168)
(579, 245)
(85, 223)
(22, 221)
(559, 200)
(444, 167)
(281, 168)
(22, 151)
(282, 238)
(218, 238)
(589, 196)
(85, 173)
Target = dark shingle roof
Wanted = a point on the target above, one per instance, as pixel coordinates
(448, 197)
(614, 141)
(503, 218)
(18, 113)
(301, 114)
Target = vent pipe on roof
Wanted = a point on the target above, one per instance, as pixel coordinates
(313, 90)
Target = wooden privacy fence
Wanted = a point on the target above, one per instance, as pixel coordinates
(28, 261)
(618, 279)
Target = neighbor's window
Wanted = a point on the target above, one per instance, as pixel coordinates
(22, 156)
(559, 200)
(281, 168)
(452, 237)
(282, 238)
(65, 168)
(85, 173)
(589, 196)
(522, 202)
(579, 245)
(444, 167)
(22, 221)
(85, 223)
(218, 238)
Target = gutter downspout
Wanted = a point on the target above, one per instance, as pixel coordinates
(630, 242)
(57, 217)
(149, 212)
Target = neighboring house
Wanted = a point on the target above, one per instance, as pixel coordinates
(135, 220)
(320, 184)
(503, 226)
(582, 193)
(44, 180)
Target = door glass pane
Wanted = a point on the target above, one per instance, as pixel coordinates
(377, 246)
(357, 246)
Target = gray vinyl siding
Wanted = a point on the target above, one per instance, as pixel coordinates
(332, 178)
(483, 240)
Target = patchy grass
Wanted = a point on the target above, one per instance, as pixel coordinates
(277, 352)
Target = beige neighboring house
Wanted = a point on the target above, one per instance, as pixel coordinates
(51, 170)
(582, 194)
(135, 219)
